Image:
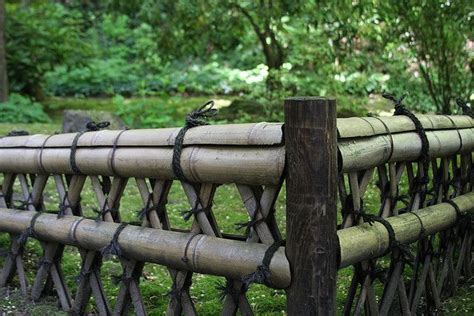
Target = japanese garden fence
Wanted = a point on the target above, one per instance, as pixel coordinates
(414, 250)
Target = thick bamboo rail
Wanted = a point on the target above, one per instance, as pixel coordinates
(229, 160)
(367, 241)
(209, 255)
(225, 257)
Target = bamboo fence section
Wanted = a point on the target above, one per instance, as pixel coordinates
(421, 228)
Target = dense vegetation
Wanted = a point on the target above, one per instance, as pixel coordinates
(263, 51)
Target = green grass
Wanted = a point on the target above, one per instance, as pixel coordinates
(156, 283)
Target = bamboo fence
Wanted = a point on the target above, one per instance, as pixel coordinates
(431, 216)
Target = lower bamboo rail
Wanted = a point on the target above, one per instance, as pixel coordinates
(229, 258)
(208, 255)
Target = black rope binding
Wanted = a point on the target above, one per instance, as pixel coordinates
(459, 215)
(250, 224)
(95, 267)
(466, 110)
(113, 249)
(23, 205)
(122, 278)
(393, 243)
(175, 292)
(185, 258)
(63, 206)
(103, 210)
(228, 289)
(144, 212)
(30, 231)
(263, 274)
(198, 117)
(195, 210)
(112, 156)
(90, 127)
(400, 109)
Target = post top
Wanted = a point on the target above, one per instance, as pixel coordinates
(308, 98)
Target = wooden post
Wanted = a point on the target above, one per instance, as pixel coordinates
(311, 184)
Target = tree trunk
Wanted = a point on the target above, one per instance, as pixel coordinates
(3, 61)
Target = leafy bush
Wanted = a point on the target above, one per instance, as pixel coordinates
(145, 113)
(40, 36)
(99, 77)
(20, 109)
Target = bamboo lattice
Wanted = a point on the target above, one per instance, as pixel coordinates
(380, 153)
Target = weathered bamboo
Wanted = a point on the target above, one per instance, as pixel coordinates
(258, 134)
(223, 164)
(224, 257)
(209, 255)
(371, 126)
(370, 241)
(240, 153)
(364, 153)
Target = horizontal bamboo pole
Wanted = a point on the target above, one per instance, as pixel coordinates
(209, 255)
(230, 258)
(254, 134)
(211, 164)
(369, 126)
(370, 241)
(230, 164)
(363, 153)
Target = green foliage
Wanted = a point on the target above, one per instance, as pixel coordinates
(20, 109)
(265, 50)
(437, 34)
(38, 37)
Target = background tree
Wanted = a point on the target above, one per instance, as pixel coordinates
(3, 61)
(438, 34)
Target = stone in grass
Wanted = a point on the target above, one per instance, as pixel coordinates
(76, 120)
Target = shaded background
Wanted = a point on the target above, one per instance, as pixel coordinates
(152, 61)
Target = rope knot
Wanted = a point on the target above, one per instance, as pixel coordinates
(228, 289)
(113, 249)
(193, 119)
(123, 278)
(263, 274)
(466, 109)
(201, 115)
(249, 225)
(397, 102)
(195, 210)
(93, 126)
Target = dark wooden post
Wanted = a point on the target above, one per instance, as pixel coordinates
(311, 187)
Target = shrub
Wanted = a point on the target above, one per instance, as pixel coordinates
(40, 36)
(20, 109)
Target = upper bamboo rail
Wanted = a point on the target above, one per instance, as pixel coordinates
(236, 153)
